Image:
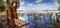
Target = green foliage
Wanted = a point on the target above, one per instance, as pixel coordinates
(1, 3)
(6, 7)
(3, 6)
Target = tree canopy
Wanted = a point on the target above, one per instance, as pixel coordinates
(1, 3)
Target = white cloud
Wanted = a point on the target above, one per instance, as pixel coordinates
(21, 7)
(37, 1)
(38, 7)
(53, 7)
(21, 3)
(42, 7)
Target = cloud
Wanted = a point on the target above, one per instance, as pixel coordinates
(37, 1)
(42, 7)
(21, 7)
(21, 3)
(32, 7)
(55, 1)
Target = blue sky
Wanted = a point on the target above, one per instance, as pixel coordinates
(38, 5)
(43, 1)
(59, 1)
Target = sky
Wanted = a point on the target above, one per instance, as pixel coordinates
(38, 5)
